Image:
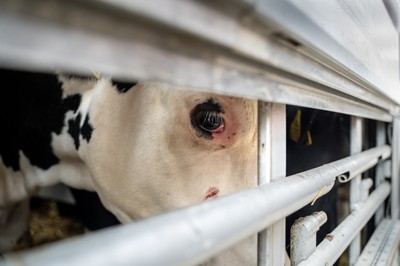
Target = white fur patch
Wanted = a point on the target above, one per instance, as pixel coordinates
(76, 85)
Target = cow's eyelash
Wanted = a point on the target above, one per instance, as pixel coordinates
(207, 118)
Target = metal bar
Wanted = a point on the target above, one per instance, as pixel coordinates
(356, 135)
(189, 236)
(353, 176)
(323, 38)
(222, 22)
(330, 249)
(365, 186)
(303, 236)
(379, 174)
(390, 251)
(382, 245)
(395, 170)
(272, 166)
(123, 44)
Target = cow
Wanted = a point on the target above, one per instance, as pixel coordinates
(144, 148)
(313, 138)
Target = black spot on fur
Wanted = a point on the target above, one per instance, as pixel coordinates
(123, 87)
(31, 109)
(87, 129)
(72, 102)
(73, 129)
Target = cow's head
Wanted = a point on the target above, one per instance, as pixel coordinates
(154, 148)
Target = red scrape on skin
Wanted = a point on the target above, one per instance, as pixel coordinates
(211, 193)
(218, 130)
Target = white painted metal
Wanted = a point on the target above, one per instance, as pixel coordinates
(303, 236)
(191, 235)
(271, 166)
(330, 249)
(356, 134)
(290, 17)
(353, 176)
(367, 28)
(233, 48)
(365, 186)
(394, 202)
(35, 36)
(379, 171)
(382, 247)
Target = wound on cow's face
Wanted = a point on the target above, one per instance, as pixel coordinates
(206, 118)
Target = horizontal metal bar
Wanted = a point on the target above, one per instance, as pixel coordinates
(359, 170)
(118, 40)
(382, 244)
(228, 32)
(330, 249)
(191, 235)
(343, 44)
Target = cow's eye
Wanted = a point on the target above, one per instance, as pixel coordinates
(207, 118)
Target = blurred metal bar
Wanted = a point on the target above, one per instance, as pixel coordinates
(241, 39)
(356, 140)
(394, 199)
(365, 186)
(271, 166)
(345, 44)
(134, 40)
(379, 174)
(189, 236)
(382, 246)
(330, 249)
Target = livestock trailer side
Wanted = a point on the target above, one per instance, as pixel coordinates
(335, 58)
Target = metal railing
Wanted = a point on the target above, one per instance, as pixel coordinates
(252, 49)
(190, 236)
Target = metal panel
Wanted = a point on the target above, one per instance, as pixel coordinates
(191, 235)
(382, 246)
(131, 40)
(367, 50)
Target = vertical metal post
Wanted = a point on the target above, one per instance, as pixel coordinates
(271, 165)
(395, 169)
(355, 184)
(303, 236)
(379, 175)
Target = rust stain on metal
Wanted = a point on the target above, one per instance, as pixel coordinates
(329, 237)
